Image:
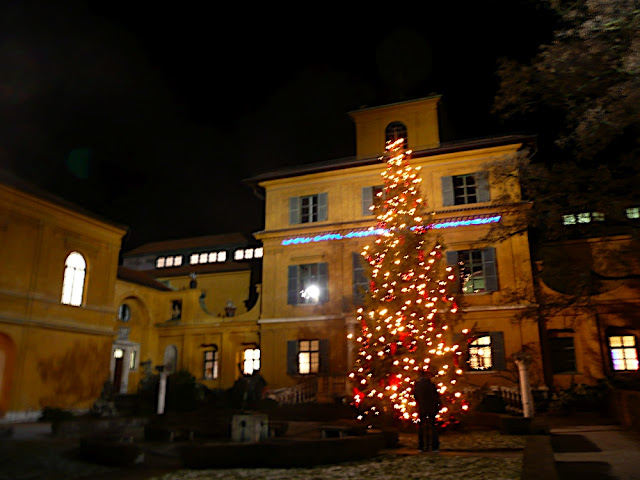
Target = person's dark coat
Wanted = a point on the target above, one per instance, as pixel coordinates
(427, 396)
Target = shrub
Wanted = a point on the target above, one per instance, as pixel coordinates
(581, 397)
(51, 414)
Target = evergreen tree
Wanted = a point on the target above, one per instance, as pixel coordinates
(406, 323)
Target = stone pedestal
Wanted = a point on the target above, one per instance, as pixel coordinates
(250, 427)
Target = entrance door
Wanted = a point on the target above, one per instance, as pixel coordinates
(117, 370)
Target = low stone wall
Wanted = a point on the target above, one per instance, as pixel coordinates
(86, 426)
(625, 406)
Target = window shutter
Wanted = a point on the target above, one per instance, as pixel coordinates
(323, 282)
(489, 269)
(294, 210)
(292, 357)
(497, 351)
(359, 280)
(447, 191)
(324, 356)
(482, 187)
(367, 200)
(452, 259)
(322, 207)
(292, 290)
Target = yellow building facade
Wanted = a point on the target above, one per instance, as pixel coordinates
(56, 301)
(318, 220)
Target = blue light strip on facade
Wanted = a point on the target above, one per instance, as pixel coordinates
(379, 231)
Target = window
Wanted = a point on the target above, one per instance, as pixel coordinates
(170, 359)
(624, 354)
(465, 189)
(476, 269)
(585, 217)
(251, 361)
(248, 253)
(396, 130)
(132, 360)
(360, 280)
(170, 261)
(308, 284)
(124, 312)
(308, 209)
(210, 368)
(633, 213)
(486, 352)
(176, 309)
(207, 257)
(370, 196)
(563, 357)
(306, 357)
(73, 282)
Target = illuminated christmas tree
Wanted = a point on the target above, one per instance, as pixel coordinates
(408, 316)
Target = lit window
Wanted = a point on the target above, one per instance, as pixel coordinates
(204, 257)
(172, 261)
(213, 257)
(193, 260)
(210, 370)
(308, 284)
(238, 255)
(480, 357)
(584, 217)
(118, 353)
(251, 361)
(308, 356)
(633, 212)
(248, 253)
(624, 355)
(258, 252)
(73, 282)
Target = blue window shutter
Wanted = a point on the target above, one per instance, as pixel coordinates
(482, 187)
(323, 282)
(292, 290)
(448, 197)
(322, 207)
(294, 210)
(359, 279)
(324, 356)
(292, 357)
(367, 200)
(497, 351)
(489, 269)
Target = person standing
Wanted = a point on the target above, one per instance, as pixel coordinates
(428, 400)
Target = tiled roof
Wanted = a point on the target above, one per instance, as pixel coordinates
(206, 241)
(11, 180)
(350, 162)
(141, 278)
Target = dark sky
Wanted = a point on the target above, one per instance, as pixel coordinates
(151, 116)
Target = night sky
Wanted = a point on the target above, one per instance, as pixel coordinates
(151, 116)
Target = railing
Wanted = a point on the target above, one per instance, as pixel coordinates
(513, 399)
(302, 393)
(322, 389)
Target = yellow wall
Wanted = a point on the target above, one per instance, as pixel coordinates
(50, 341)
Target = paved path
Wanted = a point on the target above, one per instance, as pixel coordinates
(596, 452)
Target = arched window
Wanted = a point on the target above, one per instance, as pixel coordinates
(171, 358)
(396, 130)
(73, 284)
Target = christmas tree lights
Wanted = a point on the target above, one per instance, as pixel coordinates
(406, 322)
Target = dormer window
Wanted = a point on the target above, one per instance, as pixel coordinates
(396, 130)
